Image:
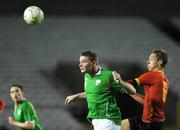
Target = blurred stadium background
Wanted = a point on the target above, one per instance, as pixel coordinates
(44, 58)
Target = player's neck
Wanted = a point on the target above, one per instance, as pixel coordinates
(158, 68)
(19, 102)
(95, 70)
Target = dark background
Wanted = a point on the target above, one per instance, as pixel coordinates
(44, 58)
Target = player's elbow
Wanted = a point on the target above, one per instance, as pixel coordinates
(132, 92)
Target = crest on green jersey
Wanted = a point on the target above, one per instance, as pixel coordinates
(98, 81)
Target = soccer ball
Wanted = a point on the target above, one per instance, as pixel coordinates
(33, 15)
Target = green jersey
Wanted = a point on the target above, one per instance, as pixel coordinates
(100, 96)
(25, 112)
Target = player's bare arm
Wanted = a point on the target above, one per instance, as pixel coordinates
(72, 98)
(138, 98)
(25, 125)
(129, 88)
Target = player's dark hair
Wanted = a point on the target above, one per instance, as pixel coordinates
(17, 85)
(161, 55)
(91, 55)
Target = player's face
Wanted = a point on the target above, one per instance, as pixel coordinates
(85, 64)
(16, 94)
(152, 63)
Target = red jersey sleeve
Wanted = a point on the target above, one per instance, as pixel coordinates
(146, 79)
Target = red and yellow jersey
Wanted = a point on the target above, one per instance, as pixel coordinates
(155, 88)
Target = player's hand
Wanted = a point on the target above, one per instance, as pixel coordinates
(11, 121)
(70, 99)
(116, 76)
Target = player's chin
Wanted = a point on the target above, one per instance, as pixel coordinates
(15, 99)
(150, 69)
(82, 71)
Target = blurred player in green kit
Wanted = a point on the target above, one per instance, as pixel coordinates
(99, 88)
(24, 115)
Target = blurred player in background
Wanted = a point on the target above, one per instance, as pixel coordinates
(24, 115)
(155, 85)
(99, 87)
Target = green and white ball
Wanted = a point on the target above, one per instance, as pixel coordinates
(33, 15)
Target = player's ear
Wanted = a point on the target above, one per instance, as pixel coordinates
(94, 62)
(160, 62)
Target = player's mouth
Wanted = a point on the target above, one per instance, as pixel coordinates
(16, 97)
(81, 69)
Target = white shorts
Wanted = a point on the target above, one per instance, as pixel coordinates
(104, 124)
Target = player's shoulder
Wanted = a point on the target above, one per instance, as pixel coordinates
(27, 103)
(152, 72)
(106, 71)
(86, 75)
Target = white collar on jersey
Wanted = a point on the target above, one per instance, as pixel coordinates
(99, 71)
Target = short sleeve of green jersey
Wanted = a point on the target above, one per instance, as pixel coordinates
(116, 86)
(29, 113)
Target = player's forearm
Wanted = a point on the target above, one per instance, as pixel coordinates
(129, 87)
(81, 95)
(72, 98)
(139, 98)
(25, 125)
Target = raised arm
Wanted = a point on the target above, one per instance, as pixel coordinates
(129, 87)
(72, 98)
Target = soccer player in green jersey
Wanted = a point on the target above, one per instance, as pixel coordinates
(24, 115)
(99, 86)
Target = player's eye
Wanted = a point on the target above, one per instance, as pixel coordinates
(84, 61)
(17, 91)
